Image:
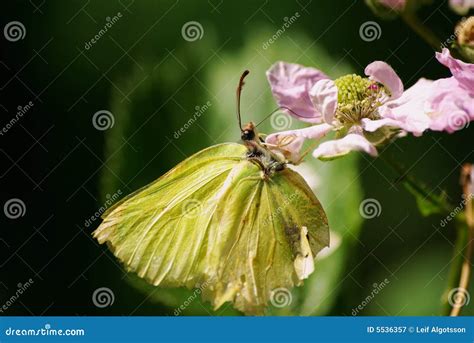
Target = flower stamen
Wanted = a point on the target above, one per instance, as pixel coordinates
(358, 98)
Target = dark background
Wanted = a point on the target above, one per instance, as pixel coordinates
(151, 79)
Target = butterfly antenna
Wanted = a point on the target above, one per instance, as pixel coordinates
(239, 92)
(276, 110)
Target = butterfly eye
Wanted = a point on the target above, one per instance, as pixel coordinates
(248, 135)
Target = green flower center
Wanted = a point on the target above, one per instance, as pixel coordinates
(358, 97)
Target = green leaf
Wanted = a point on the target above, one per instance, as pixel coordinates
(428, 203)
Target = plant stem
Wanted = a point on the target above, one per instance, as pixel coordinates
(423, 31)
(410, 182)
(464, 248)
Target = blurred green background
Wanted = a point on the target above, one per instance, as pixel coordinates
(151, 79)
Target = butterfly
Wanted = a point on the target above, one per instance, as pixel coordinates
(231, 220)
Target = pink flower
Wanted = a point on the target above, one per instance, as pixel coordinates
(387, 8)
(362, 111)
(461, 7)
(290, 85)
(396, 5)
(451, 101)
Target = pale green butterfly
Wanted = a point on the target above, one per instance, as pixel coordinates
(232, 220)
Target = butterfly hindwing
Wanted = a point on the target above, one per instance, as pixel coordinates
(216, 221)
(257, 251)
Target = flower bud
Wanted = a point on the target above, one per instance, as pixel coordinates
(461, 7)
(465, 38)
(390, 9)
(386, 9)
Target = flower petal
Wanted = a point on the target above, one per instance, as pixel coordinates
(324, 97)
(451, 106)
(374, 125)
(462, 72)
(289, 147)
(339, 147)
(381, 72)
(290, 84)
(409, 112)
(290, 142)
(311, 132)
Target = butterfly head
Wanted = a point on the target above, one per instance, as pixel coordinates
(249, 132)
